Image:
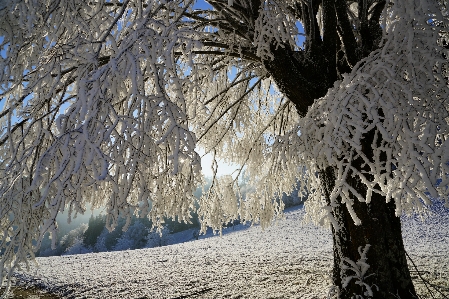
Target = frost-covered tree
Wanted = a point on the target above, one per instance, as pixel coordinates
(94, 229)
(72, 243)
(158, 238)
(106, 102)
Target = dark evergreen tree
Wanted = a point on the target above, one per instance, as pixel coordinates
(95, 226)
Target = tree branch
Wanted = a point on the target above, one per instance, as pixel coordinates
(313, 38)
(330, 38)
(346, 32)
(233, 22)
(16, 126)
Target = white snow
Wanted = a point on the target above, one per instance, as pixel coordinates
(287, 260)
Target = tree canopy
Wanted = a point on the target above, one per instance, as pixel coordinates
(107, 103)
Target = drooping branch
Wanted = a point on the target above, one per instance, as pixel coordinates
(233, 19)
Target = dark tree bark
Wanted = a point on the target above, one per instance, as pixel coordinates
(388, 275)
(306, 75)
(381, 228)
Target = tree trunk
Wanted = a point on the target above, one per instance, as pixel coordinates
(388, 275)
(305, 76)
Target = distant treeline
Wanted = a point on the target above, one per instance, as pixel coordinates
(94, 237)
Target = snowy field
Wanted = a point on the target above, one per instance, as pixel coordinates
(288, 260)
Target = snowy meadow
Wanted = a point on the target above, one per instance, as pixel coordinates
(290, 259)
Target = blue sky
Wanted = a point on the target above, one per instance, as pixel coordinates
(201, 4)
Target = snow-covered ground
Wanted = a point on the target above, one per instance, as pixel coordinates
(288, 260)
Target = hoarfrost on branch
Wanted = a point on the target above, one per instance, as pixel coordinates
(106, 103)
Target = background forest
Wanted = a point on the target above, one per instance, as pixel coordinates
(87, 234)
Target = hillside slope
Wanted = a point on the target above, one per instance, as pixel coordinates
(287, 260)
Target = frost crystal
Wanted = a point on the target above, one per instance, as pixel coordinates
(359, 270)
(400, 92)
(105, 103)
